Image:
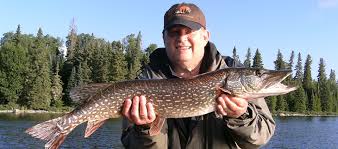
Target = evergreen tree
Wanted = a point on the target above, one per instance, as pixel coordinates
(13, 68)
(39, 93)
(133, 54)
(67, 68)
(247, 62)
(271, 101)
(299, 70)
(292, 56)
(333, 90)
(119, 63)
(257, 60)
(307, 83)
(324, 93)
(100, 62)
(300, 100)
(56, 86)
(279, 62)
(148, 51)
(235, 55)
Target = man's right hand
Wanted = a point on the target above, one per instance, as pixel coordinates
(138, 111)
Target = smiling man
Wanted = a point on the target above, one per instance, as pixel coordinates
(188, 52)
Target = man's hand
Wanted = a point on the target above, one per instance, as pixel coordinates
(230, 106)
(138, 111)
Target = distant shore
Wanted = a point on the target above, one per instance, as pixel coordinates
(285, 114)
(18, 111)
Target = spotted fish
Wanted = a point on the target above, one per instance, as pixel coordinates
(171, 98)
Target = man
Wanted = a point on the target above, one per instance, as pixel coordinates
(188, 53)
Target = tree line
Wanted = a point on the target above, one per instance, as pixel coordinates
(36, 74)
(314, 95)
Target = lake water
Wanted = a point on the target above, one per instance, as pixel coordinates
(291, 132)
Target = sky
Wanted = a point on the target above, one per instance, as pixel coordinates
(305, 26)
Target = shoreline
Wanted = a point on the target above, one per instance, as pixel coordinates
(287, 114)
(17, 111)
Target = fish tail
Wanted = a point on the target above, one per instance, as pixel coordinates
(50, 131)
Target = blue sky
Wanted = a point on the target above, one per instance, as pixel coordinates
(306, 26)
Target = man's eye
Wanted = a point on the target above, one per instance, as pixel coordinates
(173, 33)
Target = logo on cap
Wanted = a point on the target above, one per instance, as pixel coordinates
(183, 10)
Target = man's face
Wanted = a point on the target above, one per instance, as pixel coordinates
(184, 46)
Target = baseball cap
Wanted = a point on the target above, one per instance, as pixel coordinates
(186, 14)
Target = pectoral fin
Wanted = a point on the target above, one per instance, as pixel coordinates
(221, 90)
(92, 126)
(156, 126)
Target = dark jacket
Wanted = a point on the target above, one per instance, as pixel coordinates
(251, 130)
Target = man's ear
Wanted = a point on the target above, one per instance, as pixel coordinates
(206, 35)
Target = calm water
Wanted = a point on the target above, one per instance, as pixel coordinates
(292, 132)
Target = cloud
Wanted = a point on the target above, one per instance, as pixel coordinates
(328, 3)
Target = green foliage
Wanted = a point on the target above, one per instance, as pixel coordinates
(247, 61)
(133, 54)
(300, 100)
(279, 62)
(257, 60)
(299, 70)
(272, 103)
(235, 55)
(119, 63)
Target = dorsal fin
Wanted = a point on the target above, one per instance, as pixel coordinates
(82, 93)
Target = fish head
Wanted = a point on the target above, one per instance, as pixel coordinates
(257, 83)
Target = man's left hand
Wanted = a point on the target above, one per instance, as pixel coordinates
(230, 106)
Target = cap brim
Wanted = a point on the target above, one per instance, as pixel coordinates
(190, 24)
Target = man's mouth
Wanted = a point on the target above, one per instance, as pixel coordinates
(183, 47)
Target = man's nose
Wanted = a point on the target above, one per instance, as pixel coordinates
(183, 36)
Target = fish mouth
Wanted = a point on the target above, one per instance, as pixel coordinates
(272, 82)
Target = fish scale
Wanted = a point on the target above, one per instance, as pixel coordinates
(171, 98)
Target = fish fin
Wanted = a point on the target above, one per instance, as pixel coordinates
(55, 144)
(50, 131)
(82, 94)
(156, 126)
(220, 90)
(92, 126)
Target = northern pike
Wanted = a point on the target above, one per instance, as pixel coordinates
(171, 98)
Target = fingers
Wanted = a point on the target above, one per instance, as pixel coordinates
(138, 111)
(231, 106)
(143, 108)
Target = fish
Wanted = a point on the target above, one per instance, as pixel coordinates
(171, 98)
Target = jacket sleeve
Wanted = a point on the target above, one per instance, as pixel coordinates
(134, 136)
(254, 128)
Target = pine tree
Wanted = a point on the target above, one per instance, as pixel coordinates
(324, 93)
(247, 62)
(333, 90)
(300, 100)
(279, 62)
(148, 51)
(307, 83)
(119, 63)
(56, 86)
(299, 70)
(235, 55)
(39, 91)
(13, 68)
(257, 60)
(67, 68)
(133, 54)
(281, 100)
(271, 101)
